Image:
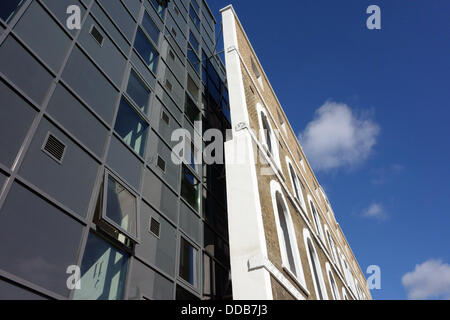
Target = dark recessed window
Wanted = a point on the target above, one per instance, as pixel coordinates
(161, 164)
(168, 85)
(294, 181)
(188, 270)
(121, 206)
(171, 55)
(165, 117)
(103, 271)
(138, 91)
(174, 32)
(131, 128)
(97, 35)
(267, 131)
(191, 110)
(190, 189)
(151, 28)
(175, 9)
(182, 294)
(286, 236)
(146, 50)
(8, 8)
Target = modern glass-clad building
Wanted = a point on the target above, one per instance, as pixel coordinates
(86, 174)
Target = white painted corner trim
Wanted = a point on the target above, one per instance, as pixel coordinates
(260, 262)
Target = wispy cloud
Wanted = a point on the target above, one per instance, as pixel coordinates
(375, 211)
(338, 137)
(384, 174)
(429, 280)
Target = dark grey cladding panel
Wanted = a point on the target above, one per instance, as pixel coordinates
(48, 40)
(168, 102)
(15, 120)
(157, 251)
(190, 222)
(59, 9)
(178, 18)
(120, 16)
(9, 291)
(125, 163)
(90, 84)
(171, 85)
(70, 113)
(110, 28)
(25, 71)
(133, 6)
(160, 196)
(2, 180)
(179, 37)
(106, 55)
(39, 240)
(157, 148)
(173, 61)
(163, 128)
(144, 283)
(155, 16)
(71, 181)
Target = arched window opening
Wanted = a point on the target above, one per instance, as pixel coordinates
(267, 131)
(285, 232)
(314, 262)
(316, 219)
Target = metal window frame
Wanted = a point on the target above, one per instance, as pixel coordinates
(135, 238)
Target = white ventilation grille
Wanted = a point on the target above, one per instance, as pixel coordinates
(54, 148)
(155, 227)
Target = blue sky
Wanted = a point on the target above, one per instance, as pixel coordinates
(388, 176)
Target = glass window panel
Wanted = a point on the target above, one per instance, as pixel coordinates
(151, 28)
(192, 88)
(285, 233)
(182, 294)
(160, 8)
(193, 41)
(146, 50)
(314, 267)
(194, 17)
(193, 59)
(195, 5)
(103, 271)
(267, 132)
(190, 188)
(121, 206)
(8, 8)
(188, 262)
(138, 91)
(208, 277)
(191, 110)
(294, 181)
(131, 128)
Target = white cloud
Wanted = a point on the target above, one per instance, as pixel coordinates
(429, 280)
(375, 211)
(338, 137)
